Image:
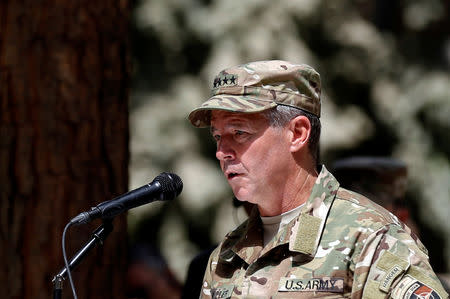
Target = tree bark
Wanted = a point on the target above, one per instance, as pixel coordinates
(63, 141)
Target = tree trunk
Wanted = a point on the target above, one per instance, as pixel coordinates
(63, 141)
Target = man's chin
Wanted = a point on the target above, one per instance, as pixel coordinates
(243, 195)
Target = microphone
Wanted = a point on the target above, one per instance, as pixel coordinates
(164, 187)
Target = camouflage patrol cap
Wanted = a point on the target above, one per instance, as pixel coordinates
(261, 85)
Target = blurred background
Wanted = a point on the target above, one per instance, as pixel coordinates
(386, 93)
(94, 98)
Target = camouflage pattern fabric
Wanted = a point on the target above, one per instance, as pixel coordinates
(261, 85)
(341, 245)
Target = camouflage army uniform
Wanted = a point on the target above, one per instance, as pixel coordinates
(341, 245)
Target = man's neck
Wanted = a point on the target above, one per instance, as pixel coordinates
(296, 193)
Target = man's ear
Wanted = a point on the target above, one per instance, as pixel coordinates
(300, 129)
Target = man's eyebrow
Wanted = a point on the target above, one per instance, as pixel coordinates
(212, 129)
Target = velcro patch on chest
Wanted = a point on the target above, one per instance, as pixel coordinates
(222, 292)
(323, 284)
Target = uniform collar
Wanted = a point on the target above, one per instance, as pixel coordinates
(303, 233)
(308, 227)
(246, 241)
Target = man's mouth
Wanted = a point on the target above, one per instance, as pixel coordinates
(232, 175)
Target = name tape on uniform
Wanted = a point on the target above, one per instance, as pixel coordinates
(324, 284)
(223, 292)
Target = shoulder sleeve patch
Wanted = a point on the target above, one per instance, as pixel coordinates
(393, 266)
(388, 260)
(389, 277)
(410, 288)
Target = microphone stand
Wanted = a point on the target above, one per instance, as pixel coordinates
(98, 236)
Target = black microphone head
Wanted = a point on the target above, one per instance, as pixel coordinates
(171, 185)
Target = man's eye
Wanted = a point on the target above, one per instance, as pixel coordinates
(216, 137)
(241, 135)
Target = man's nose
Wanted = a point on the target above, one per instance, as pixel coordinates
(224, 150)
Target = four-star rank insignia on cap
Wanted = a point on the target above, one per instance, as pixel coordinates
(223, 80)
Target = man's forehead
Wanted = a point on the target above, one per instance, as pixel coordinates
(231, 119)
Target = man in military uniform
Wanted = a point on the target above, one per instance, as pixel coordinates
(307, 236)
